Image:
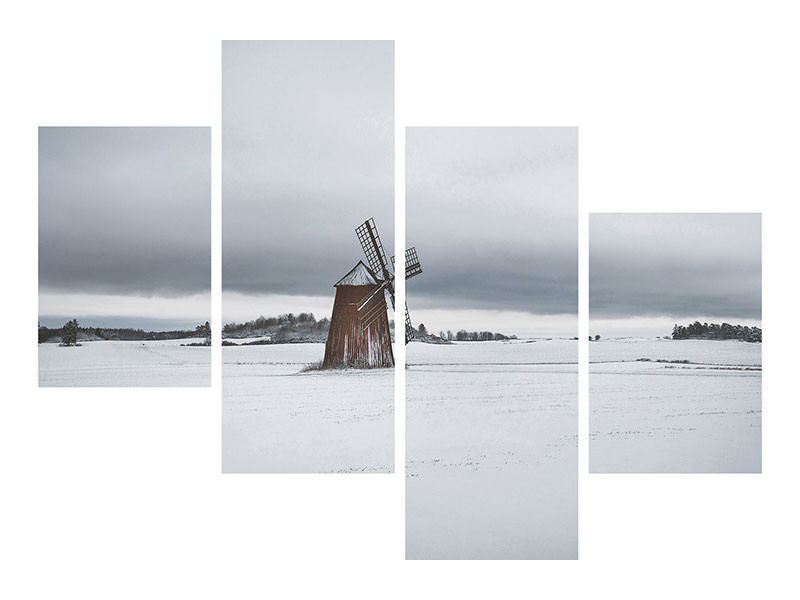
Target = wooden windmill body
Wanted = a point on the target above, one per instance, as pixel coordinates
(350, 344)
(359, 335)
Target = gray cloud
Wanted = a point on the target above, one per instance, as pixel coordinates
(308, 155)
(125, 210)
(146, 323)
(675, 264)
(493, 213)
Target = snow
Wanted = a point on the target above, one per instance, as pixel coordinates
(105, 363)
(730, 352)
(358, 275)
(671, 417)
(491, 444)
(277, 419)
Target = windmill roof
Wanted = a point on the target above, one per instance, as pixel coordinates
(358, 275)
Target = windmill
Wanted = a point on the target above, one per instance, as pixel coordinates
(359, 331)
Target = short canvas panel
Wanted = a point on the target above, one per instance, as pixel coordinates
(675, 347)
(308, 232)
(492, 377)
(124, 256)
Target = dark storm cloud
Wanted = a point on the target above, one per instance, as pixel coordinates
(124, 210)
(675, 264)
(308, 143)
(493, 213)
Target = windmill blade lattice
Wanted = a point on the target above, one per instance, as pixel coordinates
(373, 248)
(409, 328)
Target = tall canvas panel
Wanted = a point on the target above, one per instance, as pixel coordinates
(492, 376)
(307, 159)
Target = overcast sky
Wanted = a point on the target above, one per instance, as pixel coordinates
(124, 225)
(308, 155)
(675, 267)
(493, 213)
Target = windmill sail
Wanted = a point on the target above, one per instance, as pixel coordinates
(373, 304)
(409, 328)
(413, 268)
(373, 248)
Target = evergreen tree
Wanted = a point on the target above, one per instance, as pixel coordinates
(69, 333)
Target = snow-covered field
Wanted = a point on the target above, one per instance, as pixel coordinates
(491, 446)
(277, 419)
(703, 416)
(106, 363)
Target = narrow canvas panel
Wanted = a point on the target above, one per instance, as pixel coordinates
(308, 224)
(675, 352)
(492, 378)
(124, 256)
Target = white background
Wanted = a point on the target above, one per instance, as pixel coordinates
(111, 493)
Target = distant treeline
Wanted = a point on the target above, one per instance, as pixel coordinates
(713, 331)
(304, 327)
(288, 320)
(71, 332)
(463, 335)
(287, 328)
